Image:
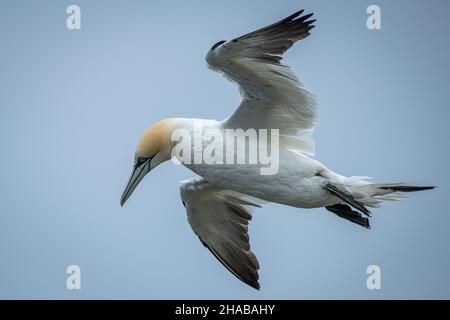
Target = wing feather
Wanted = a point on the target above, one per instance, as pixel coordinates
(220, 219)
(273, 96)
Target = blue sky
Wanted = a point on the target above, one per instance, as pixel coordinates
(73, 104)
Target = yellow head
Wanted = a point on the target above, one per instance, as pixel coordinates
(153, 148)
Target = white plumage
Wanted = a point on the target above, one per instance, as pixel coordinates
(219, 205)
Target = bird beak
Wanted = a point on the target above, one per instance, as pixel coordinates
(139, 172)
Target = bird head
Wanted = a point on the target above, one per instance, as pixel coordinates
(154, 148)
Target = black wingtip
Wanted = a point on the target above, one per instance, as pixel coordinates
(306, 17)
(296, 14)
(255, 286)
(291, 17)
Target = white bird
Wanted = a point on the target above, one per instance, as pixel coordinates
(219, 204)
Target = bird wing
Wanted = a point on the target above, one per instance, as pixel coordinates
(273, 96)
(220, 219)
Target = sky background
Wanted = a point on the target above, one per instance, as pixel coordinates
(74, 103)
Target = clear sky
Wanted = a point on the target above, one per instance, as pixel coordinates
(74, 103)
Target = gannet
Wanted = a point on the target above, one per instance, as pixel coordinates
(220, 203)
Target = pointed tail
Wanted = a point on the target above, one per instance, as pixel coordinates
(358, 192)
(376, 193)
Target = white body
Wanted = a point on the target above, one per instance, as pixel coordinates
(299, 182)
(219, 205)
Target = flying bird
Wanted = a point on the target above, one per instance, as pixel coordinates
(220, 203)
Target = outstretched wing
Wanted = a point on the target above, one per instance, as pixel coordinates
(273, 96)
(220, 219)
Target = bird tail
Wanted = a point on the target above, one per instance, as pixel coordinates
(372, 194)
(358, 193)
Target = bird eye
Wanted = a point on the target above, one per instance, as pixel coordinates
(142, 160)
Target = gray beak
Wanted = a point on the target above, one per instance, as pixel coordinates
(141, 168)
